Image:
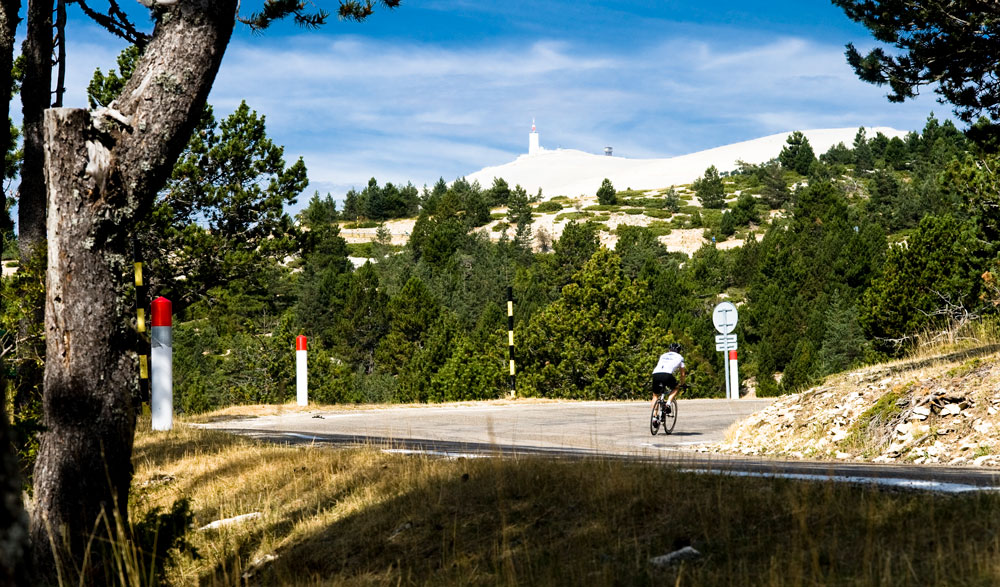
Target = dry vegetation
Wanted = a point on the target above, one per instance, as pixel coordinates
(941, 405)
(362, 517)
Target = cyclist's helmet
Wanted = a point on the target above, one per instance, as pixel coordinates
(675, 347)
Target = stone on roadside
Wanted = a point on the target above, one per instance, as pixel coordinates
(685, 554)
(951, 410)
(231, 521)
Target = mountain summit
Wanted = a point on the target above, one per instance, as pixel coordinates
(568, 172)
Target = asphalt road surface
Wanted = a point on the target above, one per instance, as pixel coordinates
(578, 429)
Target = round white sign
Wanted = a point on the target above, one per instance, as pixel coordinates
(724, 317)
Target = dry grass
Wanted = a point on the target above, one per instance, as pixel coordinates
(364, 517)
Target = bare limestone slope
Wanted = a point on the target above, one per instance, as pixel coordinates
(936, 410)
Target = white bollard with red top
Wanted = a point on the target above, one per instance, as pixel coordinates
(301, 373)
(734, 377)
(161, 365)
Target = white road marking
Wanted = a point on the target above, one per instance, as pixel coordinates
(436, 453)
(918, 484)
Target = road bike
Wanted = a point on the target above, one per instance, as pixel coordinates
(664, 413)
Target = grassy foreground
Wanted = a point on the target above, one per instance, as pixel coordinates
(362, 516)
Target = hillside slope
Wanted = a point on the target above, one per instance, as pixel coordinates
(571, 173)
(934, 410)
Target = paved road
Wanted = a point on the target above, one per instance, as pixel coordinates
(620, 428)
(611, 429)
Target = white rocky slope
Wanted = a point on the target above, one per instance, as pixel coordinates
(567, 172)
(943, 409)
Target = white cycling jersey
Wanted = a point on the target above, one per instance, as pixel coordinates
(669, 362)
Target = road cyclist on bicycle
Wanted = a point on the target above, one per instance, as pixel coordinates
(665, 375)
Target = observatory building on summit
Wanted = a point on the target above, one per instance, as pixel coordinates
(533, 139)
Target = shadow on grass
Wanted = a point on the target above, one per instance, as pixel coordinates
(529, 521)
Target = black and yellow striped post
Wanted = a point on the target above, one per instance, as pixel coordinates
(141, 344)
(510, 335)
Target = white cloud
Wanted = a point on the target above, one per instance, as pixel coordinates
(357, 108)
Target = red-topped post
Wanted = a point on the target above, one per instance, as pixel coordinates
(734, 377)
(161, 368)
(301, 372)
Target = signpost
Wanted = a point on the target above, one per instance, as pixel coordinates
(725, 317)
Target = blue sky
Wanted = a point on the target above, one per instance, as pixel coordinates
(443, 88)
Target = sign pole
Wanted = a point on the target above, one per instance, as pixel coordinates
(725, 317)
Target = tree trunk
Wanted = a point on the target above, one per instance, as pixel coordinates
(35, 98)
(102, 174)
(84, 465)
(13, 522)
(8, 27)
(36, 95)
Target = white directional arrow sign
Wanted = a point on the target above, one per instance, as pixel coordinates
(725, 342)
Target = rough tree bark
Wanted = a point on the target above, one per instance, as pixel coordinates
(8, 27)
(13, 521)
(36, 95)
(35, 98)
(103, 171)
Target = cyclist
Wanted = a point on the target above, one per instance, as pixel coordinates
(665, 373)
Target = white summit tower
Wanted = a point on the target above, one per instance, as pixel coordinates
(533, 139)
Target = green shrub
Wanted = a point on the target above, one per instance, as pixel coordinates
(549, 206)
(872, 430)
(630, 193)
(659, 213)
(660, 228)
(574, 216)
(361, 224)
(360, 250)
(606, 193)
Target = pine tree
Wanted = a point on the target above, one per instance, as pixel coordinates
(364, 320)
(775, 191)
(948, 45)
(579, 241)
(499, 193)
(710, 189)
(932, 281)
(863, 160)
(411, 313)
(606, 193)
(843, 340)
(593, 342)
(519, 215)
(797, 154)
(221, 220)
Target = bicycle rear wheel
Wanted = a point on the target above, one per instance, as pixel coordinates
(670, 418)
(654, 422)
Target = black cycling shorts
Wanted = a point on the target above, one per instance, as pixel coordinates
(664, 382)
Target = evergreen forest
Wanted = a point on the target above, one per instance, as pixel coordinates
(849, 257)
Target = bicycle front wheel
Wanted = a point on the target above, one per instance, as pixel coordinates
(670, 418)
(654, 422)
